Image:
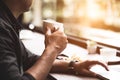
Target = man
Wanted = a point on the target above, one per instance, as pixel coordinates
(17, 63)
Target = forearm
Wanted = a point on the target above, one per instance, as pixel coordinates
(61, 66)
(42, 67)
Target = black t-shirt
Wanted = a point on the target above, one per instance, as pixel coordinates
(15, 59)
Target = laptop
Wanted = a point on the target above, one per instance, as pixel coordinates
(112, 74)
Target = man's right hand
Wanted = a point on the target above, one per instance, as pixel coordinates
(57, 39)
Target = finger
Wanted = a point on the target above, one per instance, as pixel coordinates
(99, 63)
(48, 32)
(103, 65)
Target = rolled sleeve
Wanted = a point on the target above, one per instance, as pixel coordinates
(27, 76)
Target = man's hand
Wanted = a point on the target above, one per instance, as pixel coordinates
(57, 39)
(83, 68)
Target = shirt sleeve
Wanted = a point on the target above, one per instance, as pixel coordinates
(27, 76)
(9, 67)
(30, 59)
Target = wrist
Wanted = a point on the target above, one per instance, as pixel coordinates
(72, 67)
(52, 49)
(49, 52)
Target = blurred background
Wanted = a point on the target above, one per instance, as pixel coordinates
(98, 20)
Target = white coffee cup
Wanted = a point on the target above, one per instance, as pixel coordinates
(53, 25)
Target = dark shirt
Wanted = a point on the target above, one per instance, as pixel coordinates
(15, 59)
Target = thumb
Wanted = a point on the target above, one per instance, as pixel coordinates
(48, 31)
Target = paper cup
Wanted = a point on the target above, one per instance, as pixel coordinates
(53, 25)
